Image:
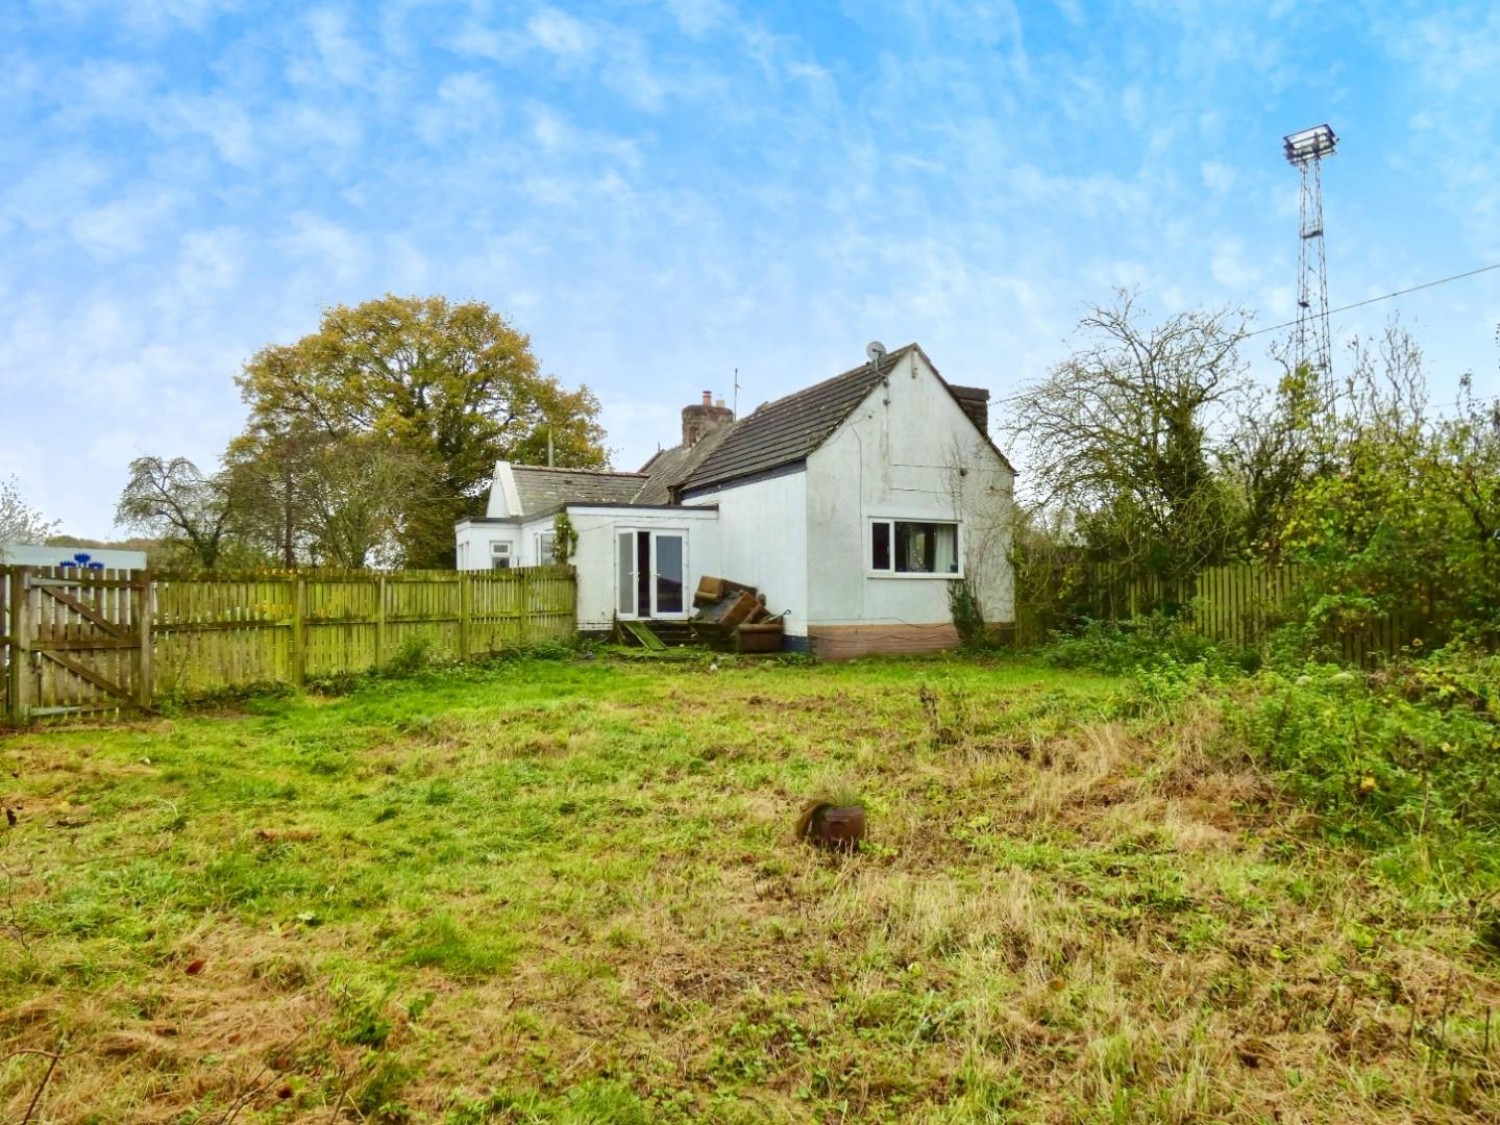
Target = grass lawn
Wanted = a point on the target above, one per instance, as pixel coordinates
(567, 891)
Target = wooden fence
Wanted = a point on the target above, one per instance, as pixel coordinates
(1238, 604)
(189, 637)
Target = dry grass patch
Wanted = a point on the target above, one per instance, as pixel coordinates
(568, 892)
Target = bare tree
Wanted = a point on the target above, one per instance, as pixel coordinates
(19, 521)
(175, 501)
(1118, 435)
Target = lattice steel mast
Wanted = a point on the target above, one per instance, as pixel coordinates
(1305, 152)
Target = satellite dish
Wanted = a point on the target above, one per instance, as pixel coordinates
(876, 351)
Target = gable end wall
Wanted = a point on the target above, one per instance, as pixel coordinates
(899, 456)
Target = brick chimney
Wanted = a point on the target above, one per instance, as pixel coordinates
(700, 418)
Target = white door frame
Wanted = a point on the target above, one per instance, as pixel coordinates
(653, 612)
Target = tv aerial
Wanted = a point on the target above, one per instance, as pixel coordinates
(876, 351)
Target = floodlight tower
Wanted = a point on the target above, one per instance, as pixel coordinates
(1305, 152)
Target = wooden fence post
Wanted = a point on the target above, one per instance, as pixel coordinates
(299, 633)
(20, 645)
(525, 601)
(380, 621)
(145, 664)
(465, 611)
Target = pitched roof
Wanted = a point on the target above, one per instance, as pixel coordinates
(780, 433)
(671, 467)
(542, 489)
(788, 430)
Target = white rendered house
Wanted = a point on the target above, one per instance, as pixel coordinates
(852, 505)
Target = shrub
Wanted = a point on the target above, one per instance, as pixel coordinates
(414, 654)
(1408, 750)
(968, 616)
(1156, 642)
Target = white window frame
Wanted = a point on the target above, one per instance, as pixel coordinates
(891, 572)
(545, 543)
(502, 549)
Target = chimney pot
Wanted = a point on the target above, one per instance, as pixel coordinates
(699, 419)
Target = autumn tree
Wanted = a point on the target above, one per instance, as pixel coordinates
(451, 387)
(173, 500)
(19, 521)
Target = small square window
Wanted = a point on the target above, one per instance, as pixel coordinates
(500, 556)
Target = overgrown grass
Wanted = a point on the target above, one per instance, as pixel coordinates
(566, 890)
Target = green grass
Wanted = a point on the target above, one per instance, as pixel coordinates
(568, 891)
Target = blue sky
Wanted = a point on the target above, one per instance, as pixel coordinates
(662, 192)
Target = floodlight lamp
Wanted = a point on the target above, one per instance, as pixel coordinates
(1309, 144)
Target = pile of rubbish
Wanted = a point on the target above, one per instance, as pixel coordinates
(733, 617)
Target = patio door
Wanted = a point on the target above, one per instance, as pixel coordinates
(651, 574)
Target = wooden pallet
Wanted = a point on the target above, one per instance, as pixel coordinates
(642, 633)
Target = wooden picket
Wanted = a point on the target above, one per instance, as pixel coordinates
(205, 634)
(1239, 604)
(75, 641)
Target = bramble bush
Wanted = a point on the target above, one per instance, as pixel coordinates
(1158, 642)
(1410, 750)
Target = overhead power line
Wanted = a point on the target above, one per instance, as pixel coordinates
(1382, 297)
(1346, 308)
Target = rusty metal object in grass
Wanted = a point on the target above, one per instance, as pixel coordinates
(838, 828)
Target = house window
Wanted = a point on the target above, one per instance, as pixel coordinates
(906, 547)
(500, 556)
(546, 546)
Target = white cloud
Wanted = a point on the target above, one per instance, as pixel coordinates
(328, 53)
(338, 253)
(152, 18)
(1072, 11)
(209, 261)
(466, 103)
(225, 121)
(697, 18)
(58, 188)
(560, 33)
(126, 225)
(1218, 177)
(1230, 268)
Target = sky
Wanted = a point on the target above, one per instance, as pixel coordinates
(662, 192)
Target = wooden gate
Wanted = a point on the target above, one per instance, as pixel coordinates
(75, 641)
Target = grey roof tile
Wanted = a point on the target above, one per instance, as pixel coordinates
(671, 467)
(788, 430)
(542, 489)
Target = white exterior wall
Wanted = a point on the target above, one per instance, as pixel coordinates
(898, 456)
(596, 560)
(474, 538)
(763, 541)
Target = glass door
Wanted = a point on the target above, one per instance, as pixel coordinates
(669, 558)
(651, 574)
